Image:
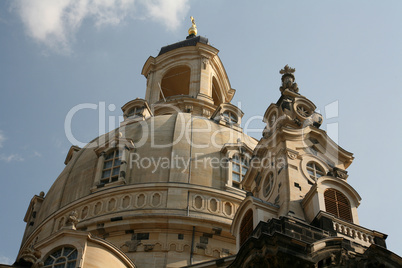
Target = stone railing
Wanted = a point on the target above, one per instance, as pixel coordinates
(359, 234)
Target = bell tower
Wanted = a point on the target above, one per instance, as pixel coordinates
(187, 75)
(298, 176)
(295, 154)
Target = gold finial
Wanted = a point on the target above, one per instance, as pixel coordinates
(193, 28)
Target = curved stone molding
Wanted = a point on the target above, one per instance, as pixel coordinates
(97, 208)
(172, 247)
(228, 209)
(60, 223)
(141, 200)
(111, 205)
(125, 202)
(213, 205)
(84, 212)
(198, 202)
(186, 248)
(156, 199)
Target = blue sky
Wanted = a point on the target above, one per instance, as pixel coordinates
(58, 54)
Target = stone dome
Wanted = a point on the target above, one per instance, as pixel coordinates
(77, 180)
(174, 175)
(165, 185)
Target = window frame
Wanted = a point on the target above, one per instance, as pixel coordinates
(228, 151)
(242, 165)
(269, 181)
(55, 261)
(137, 111)
(246, 226)
(111, 177)
(315, 170)
(339, 206)
(230, 117)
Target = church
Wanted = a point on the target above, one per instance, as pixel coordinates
(179, 184)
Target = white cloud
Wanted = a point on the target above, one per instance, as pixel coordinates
(55, 22)
(2, 138)
(6, 260)
(7, 158)
(37, 154)
(11, 157)
(168, 12)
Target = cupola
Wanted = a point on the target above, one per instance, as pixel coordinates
(187, 76)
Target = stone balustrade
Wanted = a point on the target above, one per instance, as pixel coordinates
(360, 235)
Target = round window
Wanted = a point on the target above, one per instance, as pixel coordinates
(303, 110)
(315, 170)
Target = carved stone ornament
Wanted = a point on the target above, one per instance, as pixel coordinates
(288, 79)
(266, 133)
(132, 245)
(297, 121)
(189, 108)
(149, 247)
(205, 62)
(292, 155)
(31, 255)
(206, 112)
(316, 119)
(339, 173)
(38, 264)
(72, 220)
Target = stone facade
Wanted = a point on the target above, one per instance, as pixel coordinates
(179, 184)
(158, 188)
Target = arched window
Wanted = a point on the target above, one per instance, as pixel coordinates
(111, 167)
(315, 170)
(337, 204)
(246, 226)
(65, 257)
(136, 111)
(239, 169)
(230, 117)
(176, 82)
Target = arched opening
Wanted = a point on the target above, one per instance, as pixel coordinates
(246, 226)
(337, 204)
(135, 111)
(176, 82)
(216, 92)
(64, 257)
